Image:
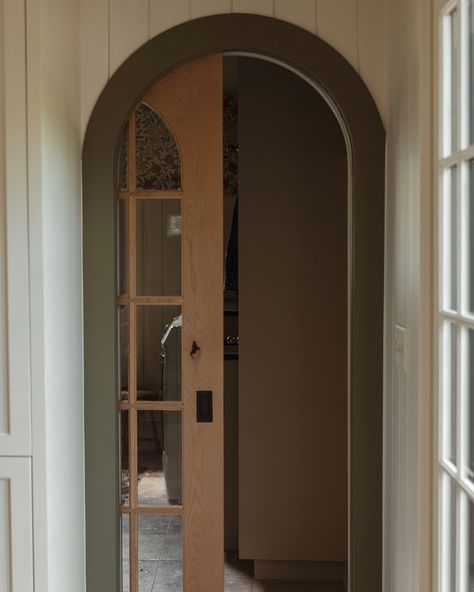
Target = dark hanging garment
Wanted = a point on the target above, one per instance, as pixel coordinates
(231, 281)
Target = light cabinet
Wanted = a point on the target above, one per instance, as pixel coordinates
(16, 537)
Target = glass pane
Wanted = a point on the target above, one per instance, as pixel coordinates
(158, 247)
(449, 224)
(471, 236)
(125, 536)
(159, 458)
(450, 83)
(160, 553)
(449, 389)
(123, 161)
(470, 577)
(124, 459)
(470, 369)
(471, 70)
(231, 146)
(158, 160)
(159, 353)
(122, 246)
(124, 339)
(449, 539)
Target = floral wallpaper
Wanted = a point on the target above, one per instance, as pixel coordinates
(123, 161)
(157, 155)
(231, 146)
(158, 160)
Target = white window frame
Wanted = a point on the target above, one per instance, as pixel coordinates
(446, 157)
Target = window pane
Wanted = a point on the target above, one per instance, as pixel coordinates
(124, 459)
(159, 353)
(448, 535)
(450, 83)
(471, 236)
(124, 339)
(159, 458)
(470, 534)
(123, 161)
(449, 390)
(231, 146)
(158, 247)
(125, 539)
(158, 160)
(470, 369)
(122, 246)
(449, 230)
(471, 70)
(451, 535)
(160, 553)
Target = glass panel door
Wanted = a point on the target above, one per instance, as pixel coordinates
(169, 318)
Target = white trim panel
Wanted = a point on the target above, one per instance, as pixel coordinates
(15, 422)
(16, 544)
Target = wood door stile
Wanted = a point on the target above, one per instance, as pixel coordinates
(132, 392)
(190, 101)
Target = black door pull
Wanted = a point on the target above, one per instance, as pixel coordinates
(194, 349)
(204, 406)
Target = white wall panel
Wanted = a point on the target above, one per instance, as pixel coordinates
(15, 428)
(95, 53)
(4, 413)
(263, 7)
(165, 14)
(372, 50)
(337, 23)
(16, 545)
(207, 7)
(129, 28)
(301, 13)
(408, 394)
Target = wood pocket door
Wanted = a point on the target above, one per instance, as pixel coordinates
(170, 270)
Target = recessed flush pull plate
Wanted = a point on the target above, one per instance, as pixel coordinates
(204, 406)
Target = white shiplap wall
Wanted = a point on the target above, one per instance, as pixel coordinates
(113, 29)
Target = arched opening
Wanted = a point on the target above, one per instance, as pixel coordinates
(355, 110)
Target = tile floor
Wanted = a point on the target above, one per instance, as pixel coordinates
(160, 562)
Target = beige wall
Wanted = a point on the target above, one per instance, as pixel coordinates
(293, 489)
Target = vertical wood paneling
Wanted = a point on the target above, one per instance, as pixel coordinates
(16, 527)
(372, 50)
(14, 309)
(94, 54)
(129, 28)
(337, 24)
(301, 13)
(263, 7)
(165, 14)
(207, 7)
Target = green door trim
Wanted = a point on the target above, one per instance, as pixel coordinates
(348, 96)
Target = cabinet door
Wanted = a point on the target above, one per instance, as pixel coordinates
(14, 307)
(16, 527)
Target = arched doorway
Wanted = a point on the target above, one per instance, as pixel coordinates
(351, 102)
